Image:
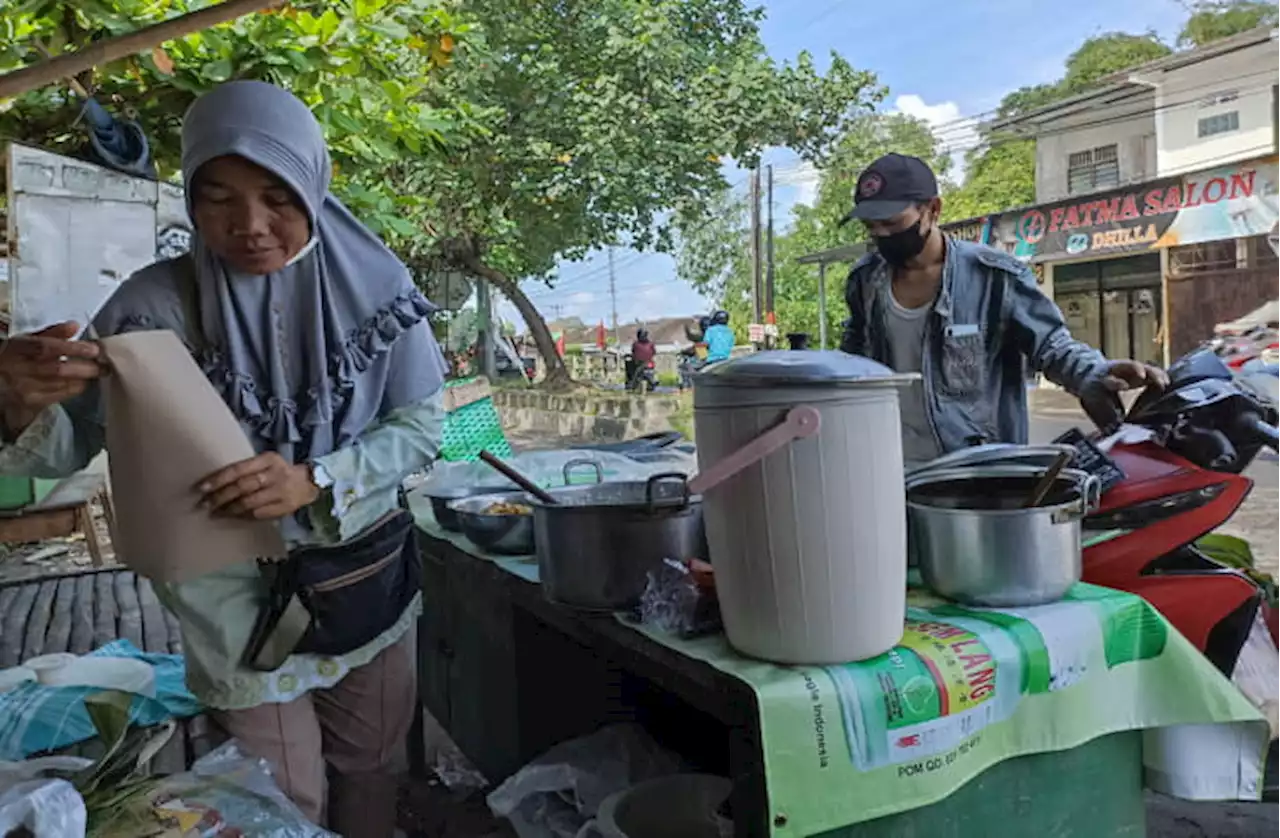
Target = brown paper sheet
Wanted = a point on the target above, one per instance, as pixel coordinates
(167, 429)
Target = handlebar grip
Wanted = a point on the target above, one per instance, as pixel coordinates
(1261, 431)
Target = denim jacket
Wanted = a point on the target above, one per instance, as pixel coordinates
(989, 322)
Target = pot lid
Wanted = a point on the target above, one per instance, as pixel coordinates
(824, 367)
(999, 453)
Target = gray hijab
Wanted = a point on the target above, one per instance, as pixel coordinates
(307, 357)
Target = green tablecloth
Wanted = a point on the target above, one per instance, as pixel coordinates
(967, 688)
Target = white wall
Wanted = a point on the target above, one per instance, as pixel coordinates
(1134, 136)
(1188, 94)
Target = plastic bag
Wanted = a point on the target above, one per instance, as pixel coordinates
(228, 793)
(548, 469)
(43, 808)
(559, 792)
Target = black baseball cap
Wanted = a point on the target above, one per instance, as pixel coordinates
(890, 185)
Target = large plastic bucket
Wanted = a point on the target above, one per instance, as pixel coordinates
(679, 806)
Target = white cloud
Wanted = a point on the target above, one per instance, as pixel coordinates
(956, 133)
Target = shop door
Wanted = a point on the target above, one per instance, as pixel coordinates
(1114, 305)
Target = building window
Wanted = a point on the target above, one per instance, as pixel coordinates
(1203, 258)
(1092, 170)
(1220, 123)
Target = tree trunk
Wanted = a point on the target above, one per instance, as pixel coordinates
(557, 377)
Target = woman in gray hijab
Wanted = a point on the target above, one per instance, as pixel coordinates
(315, 336)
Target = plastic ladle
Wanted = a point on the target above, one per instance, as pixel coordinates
(800, 422)
(518, 479)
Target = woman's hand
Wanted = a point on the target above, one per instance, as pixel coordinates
(263, 487)
(43, 369)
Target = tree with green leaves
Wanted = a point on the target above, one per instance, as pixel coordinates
(367, 68)
(1213, 21)
(714, 251)
(616, 116)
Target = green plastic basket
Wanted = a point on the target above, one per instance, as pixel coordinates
(473, 428)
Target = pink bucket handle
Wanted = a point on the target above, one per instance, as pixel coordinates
(800, 422)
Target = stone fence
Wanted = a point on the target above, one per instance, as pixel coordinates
(586, 415)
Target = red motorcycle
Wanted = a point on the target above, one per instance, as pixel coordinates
(1174, 475)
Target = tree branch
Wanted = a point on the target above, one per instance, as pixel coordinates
(17, 82)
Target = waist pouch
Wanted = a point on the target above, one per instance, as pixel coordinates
(333, 599)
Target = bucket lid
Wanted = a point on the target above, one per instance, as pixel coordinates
(816, 367)
(997, 454)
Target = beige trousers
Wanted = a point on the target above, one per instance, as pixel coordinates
(337, 752)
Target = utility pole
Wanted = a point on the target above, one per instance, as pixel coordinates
(757, 301)
(768, 280)
(613, 296)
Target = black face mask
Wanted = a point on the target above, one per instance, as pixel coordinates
(903, 246)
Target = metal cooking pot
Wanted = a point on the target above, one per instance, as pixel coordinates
(596, 546)
(975, 543)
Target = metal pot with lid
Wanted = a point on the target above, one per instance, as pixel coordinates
(809, 541)
(976, 541)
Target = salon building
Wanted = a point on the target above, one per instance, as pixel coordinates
(1156, 213)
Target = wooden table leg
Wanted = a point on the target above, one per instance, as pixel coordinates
(109, 515)
(84, 522)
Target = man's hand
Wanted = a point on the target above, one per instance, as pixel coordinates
(1131, 375)
(262, 487)
(43, 369)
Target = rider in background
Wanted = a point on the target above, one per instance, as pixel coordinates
(643, 350)
(719, 338)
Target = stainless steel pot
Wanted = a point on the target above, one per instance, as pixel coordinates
(596, 546)
(975, 543)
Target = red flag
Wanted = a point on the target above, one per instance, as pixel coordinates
(600, 341)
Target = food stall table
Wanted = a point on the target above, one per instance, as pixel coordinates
(508, 675)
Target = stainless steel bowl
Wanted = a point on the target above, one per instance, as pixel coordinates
(975, 544)
(509, 535)
(442, 498)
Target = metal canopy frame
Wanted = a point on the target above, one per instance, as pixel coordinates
(835, 256)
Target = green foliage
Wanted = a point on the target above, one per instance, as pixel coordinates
(714, 251)
(617, 115)
(1105, 55)
(997, 178)
(1213, 21)
(367, 68)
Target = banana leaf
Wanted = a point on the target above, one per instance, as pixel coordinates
(1236, 552)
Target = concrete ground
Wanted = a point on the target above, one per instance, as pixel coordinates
(431, 811)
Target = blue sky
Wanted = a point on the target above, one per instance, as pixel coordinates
(942, 60)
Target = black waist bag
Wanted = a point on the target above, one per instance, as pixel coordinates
(352, 592)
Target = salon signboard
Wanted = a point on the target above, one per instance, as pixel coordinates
(1227, 202)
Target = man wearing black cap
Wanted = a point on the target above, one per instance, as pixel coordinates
(968, 317)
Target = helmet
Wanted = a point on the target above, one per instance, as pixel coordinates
(704, 322)
(642, 335)
(720, 318)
